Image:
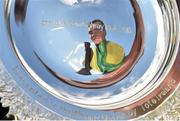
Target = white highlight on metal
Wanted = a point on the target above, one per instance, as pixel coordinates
(58, 28)
(73, 2)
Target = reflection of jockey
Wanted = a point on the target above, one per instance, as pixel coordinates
(107, 56)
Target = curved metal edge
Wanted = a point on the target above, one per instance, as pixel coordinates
(156, 98)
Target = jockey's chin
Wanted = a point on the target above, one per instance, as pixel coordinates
(97, 40)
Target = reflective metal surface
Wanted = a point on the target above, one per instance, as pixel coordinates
(42, 46)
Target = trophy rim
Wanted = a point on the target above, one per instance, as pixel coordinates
(164, 84)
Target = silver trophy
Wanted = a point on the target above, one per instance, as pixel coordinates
(92, 59)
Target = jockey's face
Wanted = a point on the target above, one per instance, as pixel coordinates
(97, 32)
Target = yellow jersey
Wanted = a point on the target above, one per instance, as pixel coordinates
(115, 55)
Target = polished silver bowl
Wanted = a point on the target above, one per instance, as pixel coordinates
(42, 46)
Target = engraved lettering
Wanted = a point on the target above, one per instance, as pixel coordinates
(153, 102)
(69, 23)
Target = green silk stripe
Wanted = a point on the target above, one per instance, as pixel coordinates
(101, 58)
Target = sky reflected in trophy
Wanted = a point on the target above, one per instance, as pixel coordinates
(96, 56)
(52, 37)
(57, 34)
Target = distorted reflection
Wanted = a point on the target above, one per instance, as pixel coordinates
(107, 56)
(60, 44)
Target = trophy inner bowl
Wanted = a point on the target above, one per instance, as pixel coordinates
(51, 29)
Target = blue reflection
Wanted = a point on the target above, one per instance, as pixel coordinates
(55, 31)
